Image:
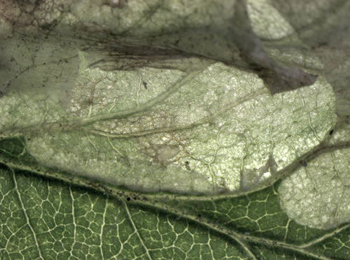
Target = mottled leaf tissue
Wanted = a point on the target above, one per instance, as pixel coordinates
(177, 129)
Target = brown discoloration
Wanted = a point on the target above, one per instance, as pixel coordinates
(278, 78)
(163, 153)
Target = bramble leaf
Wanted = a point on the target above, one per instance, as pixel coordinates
(174, 130)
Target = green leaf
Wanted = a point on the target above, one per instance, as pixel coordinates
(48, 219)
(135, 130)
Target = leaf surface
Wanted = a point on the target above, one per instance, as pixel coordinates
(137, 130)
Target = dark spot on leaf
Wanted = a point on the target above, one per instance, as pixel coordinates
(303, 163)
(331, 132)
(128, 198)
(144, 84)
(187, 165)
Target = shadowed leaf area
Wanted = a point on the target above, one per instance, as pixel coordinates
(174, 129)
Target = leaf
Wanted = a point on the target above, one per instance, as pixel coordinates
(49, 219)
(62, 125)
(301, 197)
(143, 139)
